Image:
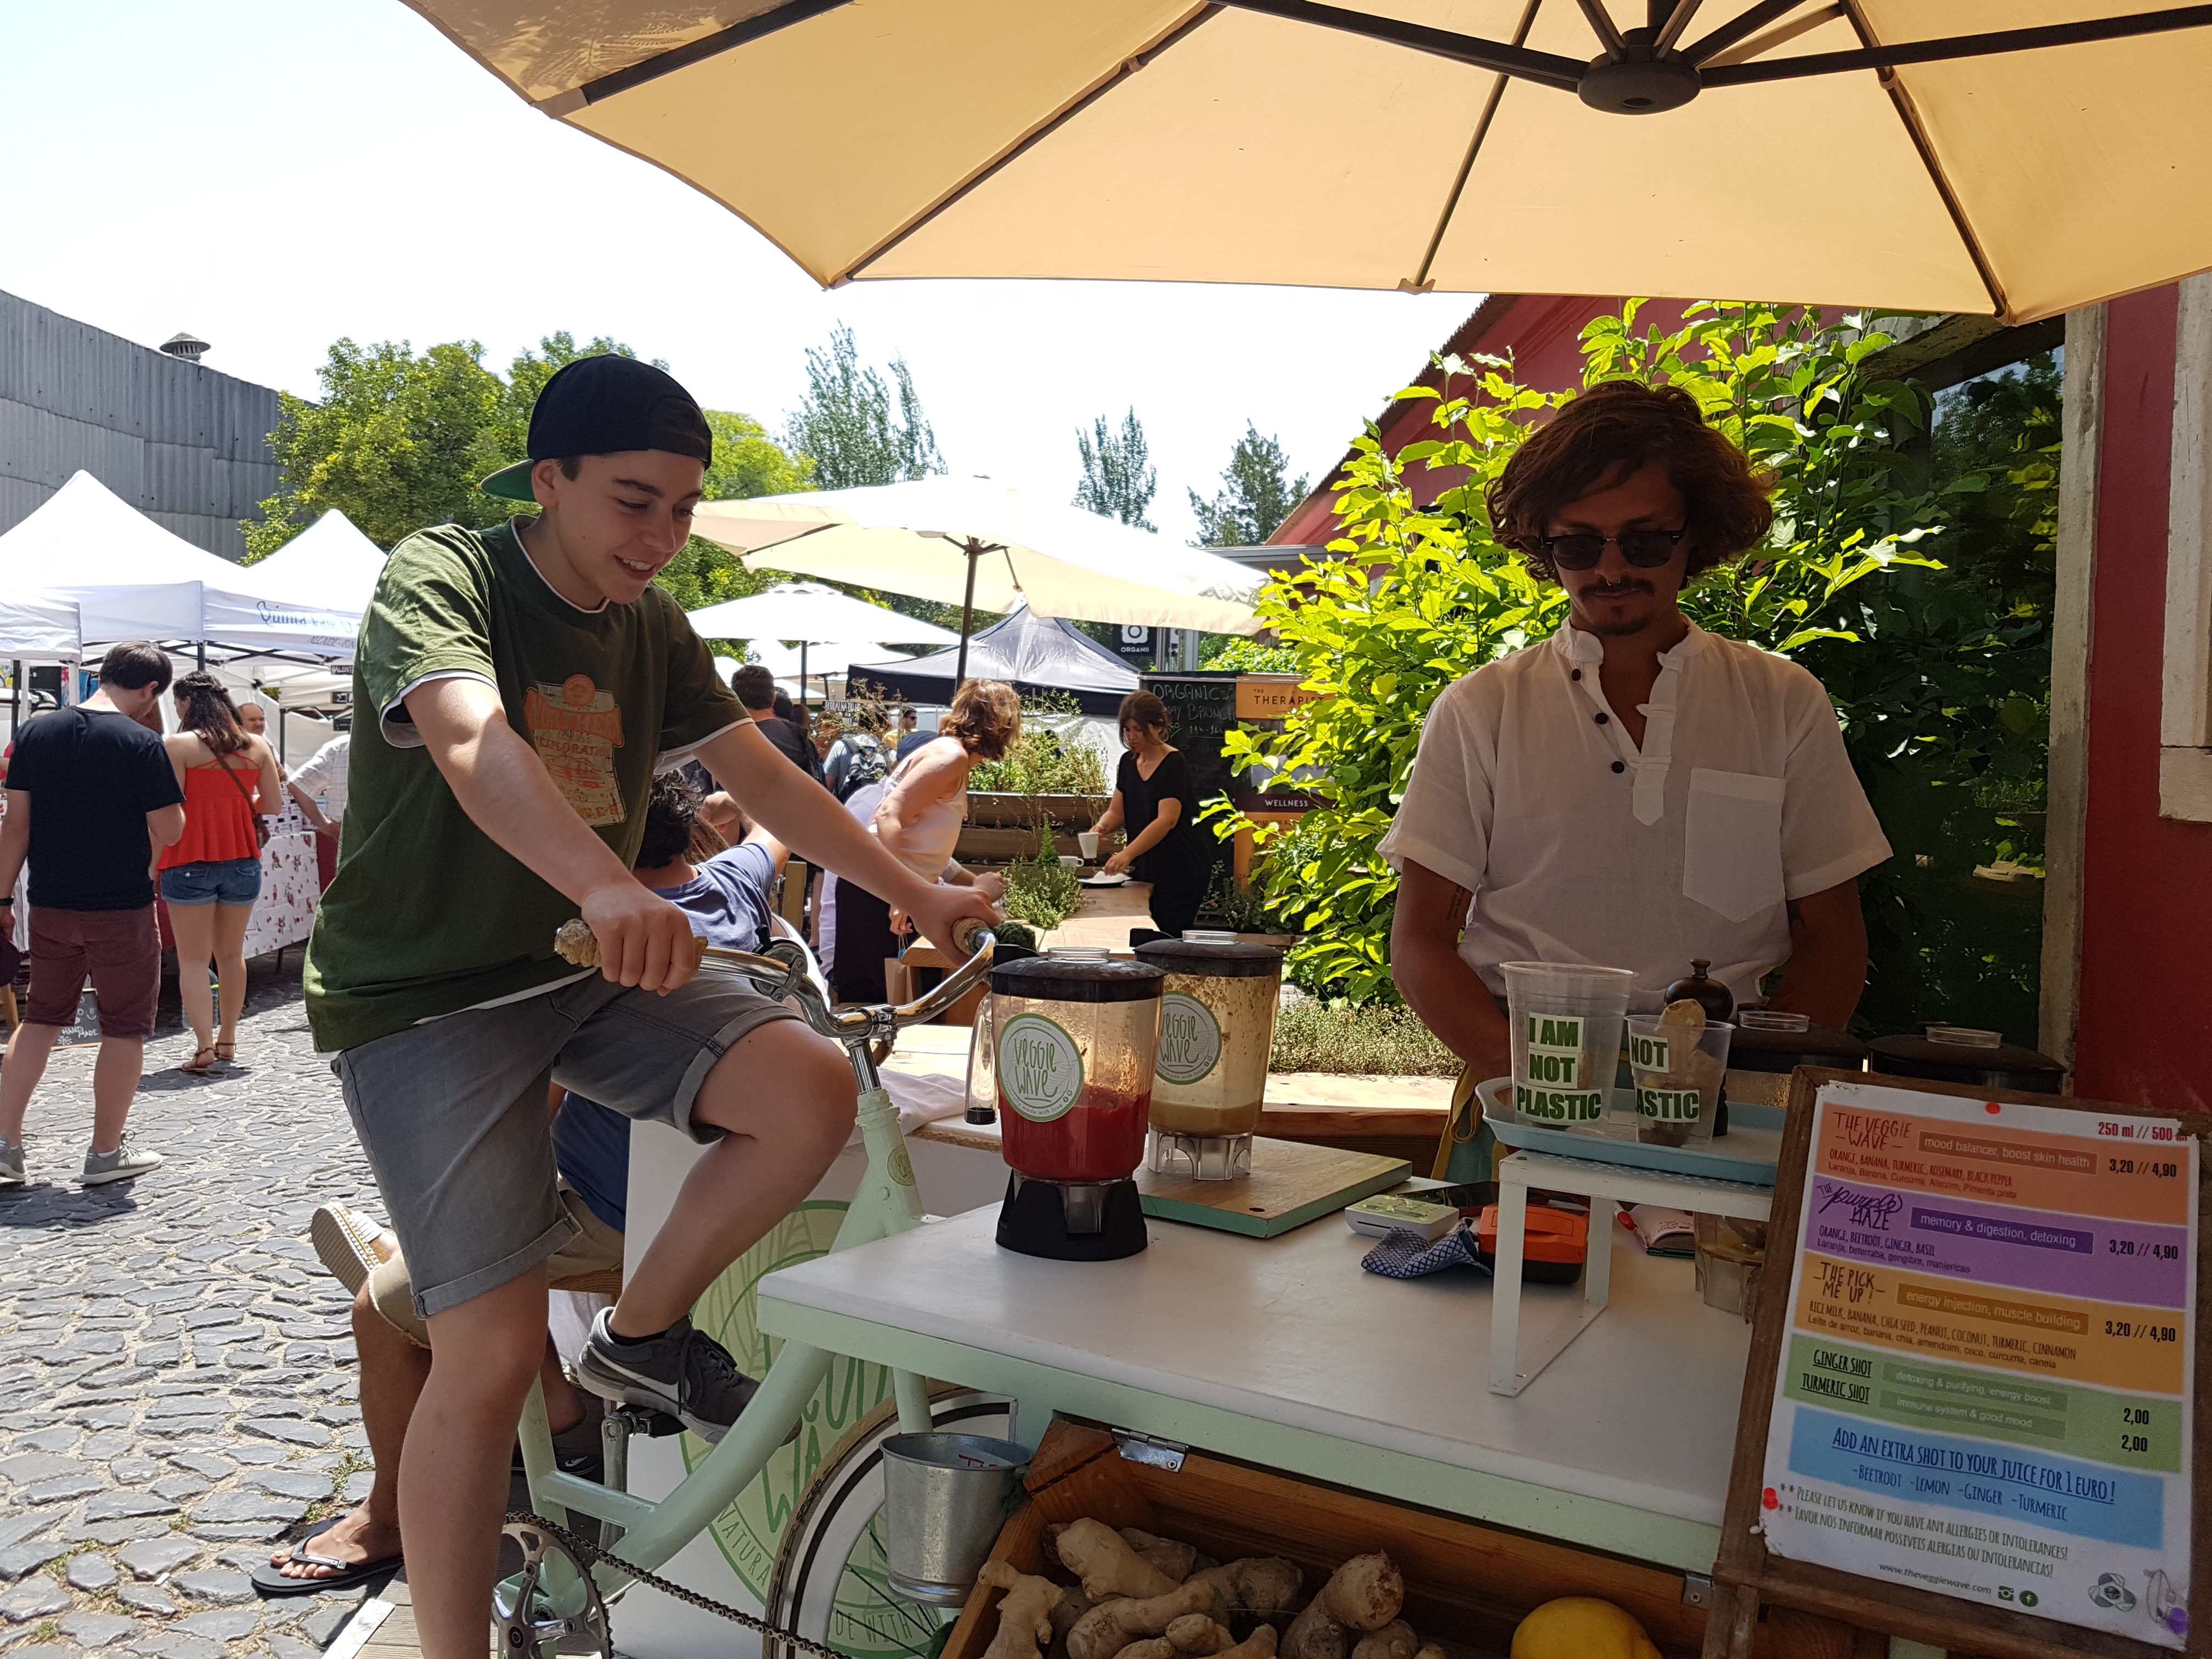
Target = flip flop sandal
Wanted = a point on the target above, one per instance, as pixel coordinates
(196, 1066)
(269, 1578)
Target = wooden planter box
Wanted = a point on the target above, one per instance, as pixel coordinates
(1466, 1585)
(999, 810)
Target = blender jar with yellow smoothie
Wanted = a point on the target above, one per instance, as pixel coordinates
(1217, 1030)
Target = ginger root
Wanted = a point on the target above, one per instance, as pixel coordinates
(1103, 1559)
(1430, 1650)
(1199, 1635)
(1362, 1595)
(1260, 1644)
(1163, 1555)
(1395, 1640)
(1266, 1585)
(1691, 1068)
(1024, 1615)
(1111, 1626)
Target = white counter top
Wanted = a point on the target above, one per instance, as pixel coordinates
(1639, 1411)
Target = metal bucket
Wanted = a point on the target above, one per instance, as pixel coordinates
(945, 1500)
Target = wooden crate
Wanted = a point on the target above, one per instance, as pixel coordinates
(1466, 1585)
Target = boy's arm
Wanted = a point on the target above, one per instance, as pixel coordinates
(507, 793)
(808, 819)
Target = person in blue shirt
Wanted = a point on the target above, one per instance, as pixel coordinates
(727, 891)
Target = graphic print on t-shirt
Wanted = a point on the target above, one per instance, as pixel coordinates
(576, 729)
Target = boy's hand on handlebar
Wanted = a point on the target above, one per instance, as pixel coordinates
(644, 940)
(935, 912)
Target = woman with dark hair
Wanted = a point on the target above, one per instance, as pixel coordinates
(1156, 800)
(916, 812)
(1632, 792)
(212, 876)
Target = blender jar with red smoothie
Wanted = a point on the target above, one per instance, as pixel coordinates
(1074, 1034)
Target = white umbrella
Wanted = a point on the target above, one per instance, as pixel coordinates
(974, 542)
(808, 613)
(329, 564)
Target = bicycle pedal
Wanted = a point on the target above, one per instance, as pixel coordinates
(643, 1419)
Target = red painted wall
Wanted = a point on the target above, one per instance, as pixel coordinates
(2145, 1036)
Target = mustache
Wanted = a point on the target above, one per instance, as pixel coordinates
(1619, 590)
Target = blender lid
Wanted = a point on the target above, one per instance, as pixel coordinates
(1078, 979)
(1214, 960)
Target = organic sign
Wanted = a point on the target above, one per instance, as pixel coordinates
(1986, 1367)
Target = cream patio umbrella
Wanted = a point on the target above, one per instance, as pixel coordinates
(2014, 157)
(978, 544)
(808, 613)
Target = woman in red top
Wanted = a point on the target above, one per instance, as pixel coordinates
(212, 876)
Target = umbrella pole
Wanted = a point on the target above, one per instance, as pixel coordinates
(802, 678)
(975, 549)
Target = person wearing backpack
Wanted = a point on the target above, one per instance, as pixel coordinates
(855, 762)
(91, 797)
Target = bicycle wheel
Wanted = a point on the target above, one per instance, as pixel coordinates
(832, 1584)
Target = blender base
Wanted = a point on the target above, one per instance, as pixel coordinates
(1034, 1216)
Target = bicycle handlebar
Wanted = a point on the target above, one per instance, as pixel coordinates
(779, 976)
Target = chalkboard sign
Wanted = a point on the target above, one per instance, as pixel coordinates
(1968, 1416)
(1201, 710)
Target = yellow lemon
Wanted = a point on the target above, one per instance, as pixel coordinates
(1581, 1627)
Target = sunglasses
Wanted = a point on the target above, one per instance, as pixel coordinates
(1647, 550)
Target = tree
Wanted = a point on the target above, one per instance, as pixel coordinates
(1118, 479)
(1258, 495)
(846, 425)
(394, 443)
(399, 441)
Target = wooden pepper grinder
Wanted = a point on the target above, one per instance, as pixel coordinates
(1719, 1004)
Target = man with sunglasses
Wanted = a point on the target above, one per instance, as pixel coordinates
(1634, 792)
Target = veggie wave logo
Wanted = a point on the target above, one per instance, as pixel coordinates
(1190, 1039)
(1039, 1068)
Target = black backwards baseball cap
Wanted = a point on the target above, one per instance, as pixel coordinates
(605, 406)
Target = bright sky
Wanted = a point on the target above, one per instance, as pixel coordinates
(274, 174)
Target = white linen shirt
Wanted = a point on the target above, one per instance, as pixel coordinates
(324, 775)
(1528, 792)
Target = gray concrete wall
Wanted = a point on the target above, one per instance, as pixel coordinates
(185, 444)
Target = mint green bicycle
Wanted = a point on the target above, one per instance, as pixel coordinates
(826, 1574)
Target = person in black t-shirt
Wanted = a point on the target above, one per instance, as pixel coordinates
(1156, 799)
(755, 689)
(91, 799)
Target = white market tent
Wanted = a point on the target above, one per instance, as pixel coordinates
(330, 564)
(40, 628)
(132, 579)
(931, 537)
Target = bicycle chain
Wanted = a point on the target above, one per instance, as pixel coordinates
(589, 1552)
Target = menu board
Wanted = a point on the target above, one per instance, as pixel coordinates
(1986, 1361)
(1201, 707)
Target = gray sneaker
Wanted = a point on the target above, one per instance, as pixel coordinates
(11, 1162)
(121, 1164)
(682, 1371)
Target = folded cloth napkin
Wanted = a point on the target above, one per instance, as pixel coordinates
(1404, 1253)
(922, 1097)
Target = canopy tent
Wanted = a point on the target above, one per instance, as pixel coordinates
(1029, 651)
(132, 579)
(40, 628)
(329, 564)
(988, 546)
(2015, 157)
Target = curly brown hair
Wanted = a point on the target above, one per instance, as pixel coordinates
(986, 716)
(1612, 431)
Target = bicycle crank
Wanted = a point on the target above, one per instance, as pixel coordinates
(523, 1609)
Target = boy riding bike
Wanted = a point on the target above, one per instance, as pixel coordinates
(519, 686)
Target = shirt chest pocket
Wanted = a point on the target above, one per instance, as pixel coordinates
(1732, 856)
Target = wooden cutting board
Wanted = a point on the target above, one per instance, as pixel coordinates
(1289, 1185)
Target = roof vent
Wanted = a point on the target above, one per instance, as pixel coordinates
(186, 344)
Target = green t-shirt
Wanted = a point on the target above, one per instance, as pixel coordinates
(427, 917)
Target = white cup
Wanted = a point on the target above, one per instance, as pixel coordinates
(1087, 840)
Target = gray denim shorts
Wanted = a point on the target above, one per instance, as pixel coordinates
(452, 1113)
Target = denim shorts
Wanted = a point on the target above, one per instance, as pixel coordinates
(213, 881)
(451, 1113)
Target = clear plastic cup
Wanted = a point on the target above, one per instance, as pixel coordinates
(1565, 1023)
(1678, 1071)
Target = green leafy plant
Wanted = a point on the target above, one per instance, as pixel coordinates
(1041, 762)
(1229, 653)
(1242, 909)
(1342, 1038)
(1041, 891)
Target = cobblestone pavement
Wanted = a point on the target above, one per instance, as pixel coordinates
(176, 1381)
